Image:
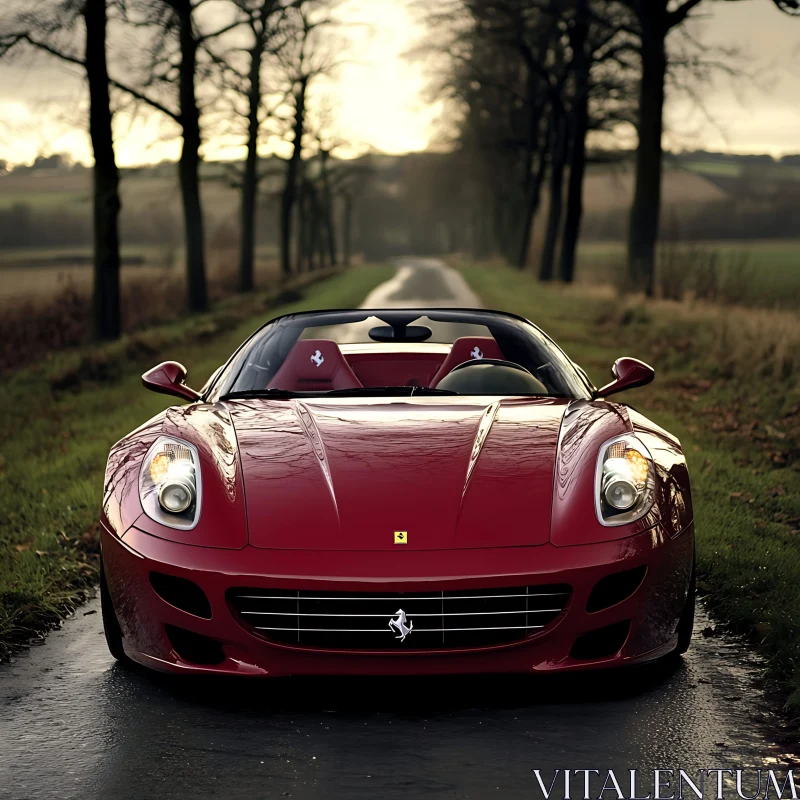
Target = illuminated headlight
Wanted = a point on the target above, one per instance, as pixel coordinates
(169, 483)
(625, 483)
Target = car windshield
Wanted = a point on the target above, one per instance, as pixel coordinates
(399, 352)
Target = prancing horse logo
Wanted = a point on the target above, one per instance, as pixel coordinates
(399, 625)
(476, 353)
(318, 358)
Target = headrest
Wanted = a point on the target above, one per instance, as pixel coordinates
(314, 362)
(468, 348)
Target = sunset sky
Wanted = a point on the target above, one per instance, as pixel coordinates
(377, 95)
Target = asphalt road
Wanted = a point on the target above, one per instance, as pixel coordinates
(75, 725)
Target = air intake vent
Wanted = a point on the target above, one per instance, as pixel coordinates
(601, 643)
(614, 589)
(430, 620)
(181, 593)
(195, 648)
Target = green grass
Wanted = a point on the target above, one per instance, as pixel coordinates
(61, 417)
(778, 255)
(37, 256)
(740, 428)
(733, 169)
(727, 169)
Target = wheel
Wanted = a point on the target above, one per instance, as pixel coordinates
(111, 626)
(686, 622)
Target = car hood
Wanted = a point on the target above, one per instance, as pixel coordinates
(344, 474)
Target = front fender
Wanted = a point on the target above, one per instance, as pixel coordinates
(584, 428)
(223, 520)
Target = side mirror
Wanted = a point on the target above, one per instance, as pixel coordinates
(168, 378)
(628, 373)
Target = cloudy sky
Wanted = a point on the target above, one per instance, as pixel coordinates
(377, 95)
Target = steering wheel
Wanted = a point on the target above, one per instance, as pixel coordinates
(492, 376)
(498, 362)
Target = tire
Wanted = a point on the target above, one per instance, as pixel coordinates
(111, 626)
(686, 622)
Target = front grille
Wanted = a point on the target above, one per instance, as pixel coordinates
(438, 620)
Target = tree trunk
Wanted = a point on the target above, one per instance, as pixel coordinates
(106, 309)
(556, 197)
(481, 223)
(532, 202)
(580, 126)
(347, 232)
(643, 231)
(189, 165)
(250, 179)
(316, 223)
(301, 204)
(327, 200)
(290, 189)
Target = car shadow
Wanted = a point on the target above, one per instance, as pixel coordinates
(409, 695)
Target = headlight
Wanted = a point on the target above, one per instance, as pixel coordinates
(625, 481)
(169, 483)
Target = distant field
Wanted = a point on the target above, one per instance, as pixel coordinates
(45, 188)
(770, 266)
(610, 187)
(34, 274)
(728, 169)
(56, 187)
(781, 255)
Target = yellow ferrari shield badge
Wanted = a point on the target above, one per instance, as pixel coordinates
(401, 537)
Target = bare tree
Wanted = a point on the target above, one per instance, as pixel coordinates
(494, 75)
(580, 67)
(51, 29)
(264, 22)
(177, 45)
(348, 182)
(305, 57)
(292, 176)
(655, 20)
(603, 75)
(521, 73)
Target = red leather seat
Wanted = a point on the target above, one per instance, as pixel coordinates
(315, 365)
(467, 348)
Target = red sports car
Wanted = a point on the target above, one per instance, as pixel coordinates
(404, 491)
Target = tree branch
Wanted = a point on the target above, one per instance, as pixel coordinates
(677, 16)
(150, 101)
(224, 29)
(9, 41)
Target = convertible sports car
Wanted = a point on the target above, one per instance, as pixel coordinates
(397, 492)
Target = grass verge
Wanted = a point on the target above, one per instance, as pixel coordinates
(61, 416)
(723, 386)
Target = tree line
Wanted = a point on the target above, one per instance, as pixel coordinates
(530, 81)
(238, 67)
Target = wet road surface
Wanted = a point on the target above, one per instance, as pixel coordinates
(75, 725)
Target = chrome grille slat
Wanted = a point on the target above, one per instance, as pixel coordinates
(449, 619)
(383, 616)
(373, 598)
(383, 630)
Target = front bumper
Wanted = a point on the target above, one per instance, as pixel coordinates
(652, 610)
